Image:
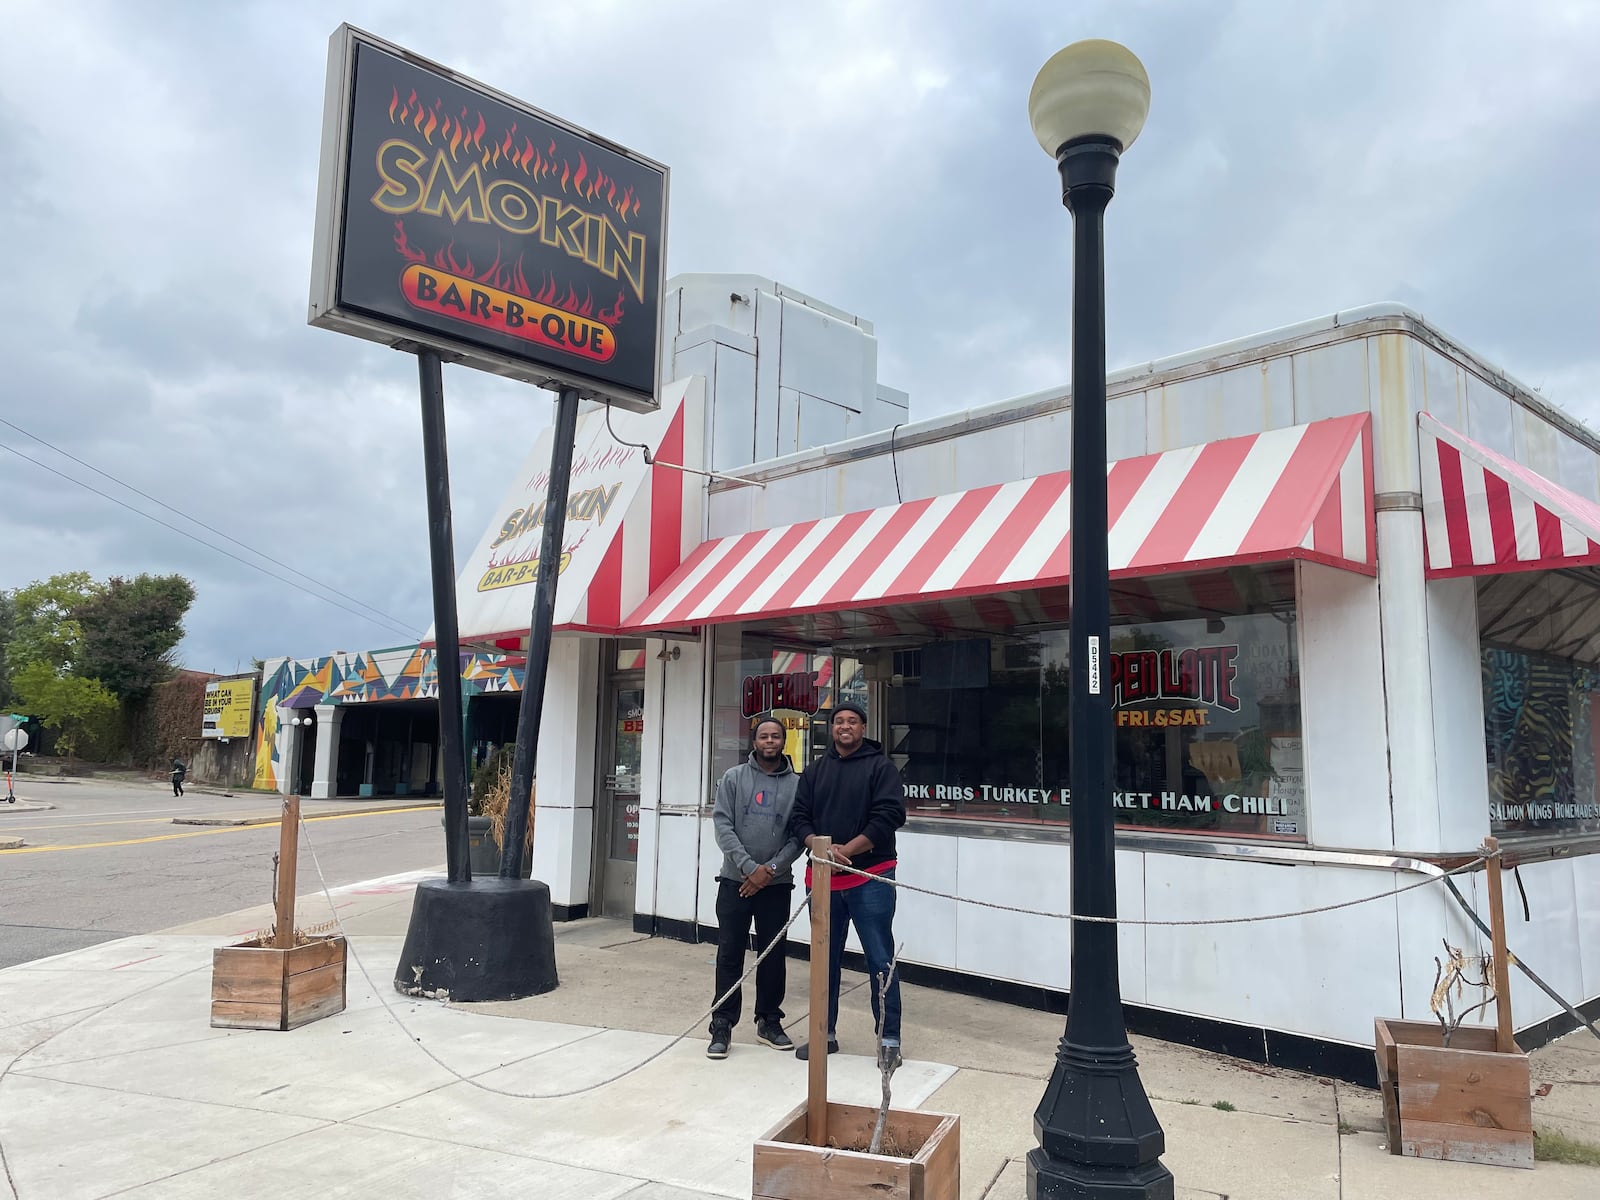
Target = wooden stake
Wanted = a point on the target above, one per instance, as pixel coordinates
(821, 932)
(288, 861)
(1505, 1042)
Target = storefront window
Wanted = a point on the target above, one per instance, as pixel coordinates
(1207, 731)
(1540, 654)
(1541, 724)
(756, 675)
(1205, 679)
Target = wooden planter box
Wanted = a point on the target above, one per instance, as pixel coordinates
(1467, 1103)
(261, 987)
(786, 1167)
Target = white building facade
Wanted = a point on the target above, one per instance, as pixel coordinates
(1355, 632)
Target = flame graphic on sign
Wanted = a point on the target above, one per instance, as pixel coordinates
(508, 277)
(461, 135)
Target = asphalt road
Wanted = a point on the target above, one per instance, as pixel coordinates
(108, 861)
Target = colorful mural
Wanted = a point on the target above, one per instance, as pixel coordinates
(365, 677)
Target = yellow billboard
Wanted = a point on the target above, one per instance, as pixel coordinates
(230, 703)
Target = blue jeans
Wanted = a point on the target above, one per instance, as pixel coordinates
(870, 907)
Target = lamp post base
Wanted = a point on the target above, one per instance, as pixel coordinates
(1098, 1136)
(1072, 1181)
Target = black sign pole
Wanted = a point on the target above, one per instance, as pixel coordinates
(525, 759)
(447, 645)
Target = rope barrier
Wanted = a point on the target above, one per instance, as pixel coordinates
(782, 933)
(507, 1092)
(1278, 916)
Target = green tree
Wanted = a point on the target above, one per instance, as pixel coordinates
(8, 609)
(81, 712)
(128, 630)
(43, 627)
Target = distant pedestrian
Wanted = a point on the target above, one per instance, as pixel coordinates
(178, 772)
(854, 795)
(751, 820)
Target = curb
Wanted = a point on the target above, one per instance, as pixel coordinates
(11, 843)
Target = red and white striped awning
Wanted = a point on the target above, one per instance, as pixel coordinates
(1303, 492)
(1485, 515)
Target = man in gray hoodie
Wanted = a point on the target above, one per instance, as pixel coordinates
(751, 820)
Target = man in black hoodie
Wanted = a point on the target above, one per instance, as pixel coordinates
(854, 795)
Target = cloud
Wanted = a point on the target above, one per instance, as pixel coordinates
(161, 168)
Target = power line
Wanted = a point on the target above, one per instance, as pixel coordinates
(196, 521)
(396, 626)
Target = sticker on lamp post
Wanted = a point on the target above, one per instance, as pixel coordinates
(456, 218)
(1094, 665)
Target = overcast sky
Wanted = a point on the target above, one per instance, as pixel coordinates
(159, 174)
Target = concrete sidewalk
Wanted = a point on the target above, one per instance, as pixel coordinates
(113, 1083)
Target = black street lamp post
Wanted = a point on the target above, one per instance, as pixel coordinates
(1098, 1136)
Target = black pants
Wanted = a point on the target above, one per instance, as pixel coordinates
(769, 909)
(177, 787)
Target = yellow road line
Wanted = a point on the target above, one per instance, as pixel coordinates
(169, 837)
(186, 817)
(94, 824)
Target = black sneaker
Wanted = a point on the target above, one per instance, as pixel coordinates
(721, 1035)
(772, 1034)
(889, 1058)
(803, 1051)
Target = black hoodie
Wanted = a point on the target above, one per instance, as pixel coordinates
(841, 796)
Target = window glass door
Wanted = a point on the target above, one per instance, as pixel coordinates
(620, 797)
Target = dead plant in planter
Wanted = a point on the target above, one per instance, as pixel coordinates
(887, 1063)
(496, 800)
(1451, 977)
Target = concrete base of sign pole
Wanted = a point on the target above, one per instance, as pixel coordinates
(486, 939)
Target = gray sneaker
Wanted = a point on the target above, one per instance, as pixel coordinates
(803, 1051)
(771, 1033)
(889, 1057)
(721, 1035)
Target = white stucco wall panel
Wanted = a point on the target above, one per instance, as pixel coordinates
(562, 841)
(825, 357)
(1538, 443)
(1489, 416)
(1408, 691)
(926, 924)
(1550, 943)
(1396, 388)
(1329, 974)
(677, 890)
(1031, 875)
(1227, 404)
(731, 512)
(769, 332)
(1460, 759)
(866, 484)
(1586, 890)
(1047, 443)
(1444, 388)
(1342, 710)
(733, 415)
(710, 303)
(1127, 435)
(645, 874)
(1330, 381)
(926, 470)
(1580, 467)
(682, 753)
(989, 456)
(1426, 918)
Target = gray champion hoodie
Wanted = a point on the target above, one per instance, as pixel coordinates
(751, 819)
